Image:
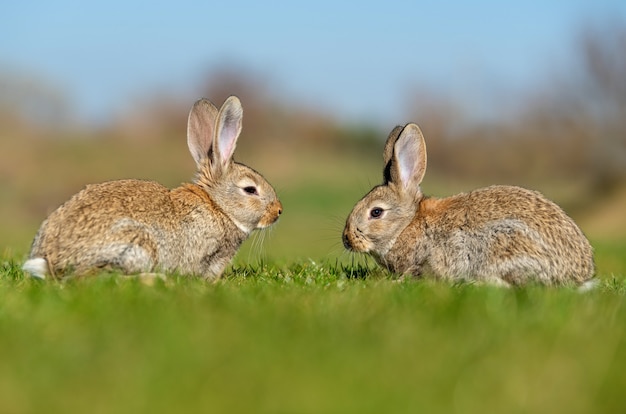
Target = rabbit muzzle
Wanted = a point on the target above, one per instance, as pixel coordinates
(354, 240)
(271, 215)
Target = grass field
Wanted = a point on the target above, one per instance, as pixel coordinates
(309, 338)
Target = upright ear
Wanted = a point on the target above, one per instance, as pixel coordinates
(200, 130)
(227, 131)
(408, 163)
(388, 151)
(391, 141)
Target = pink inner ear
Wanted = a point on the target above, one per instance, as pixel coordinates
(200, 127)
(227, 141)
(407, 157)
(407, 163)
(229, 129)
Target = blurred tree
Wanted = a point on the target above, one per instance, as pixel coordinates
(582, 116)
(604, 58)
(571, 128)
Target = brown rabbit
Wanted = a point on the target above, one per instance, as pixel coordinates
(135, 226)
(501, 234)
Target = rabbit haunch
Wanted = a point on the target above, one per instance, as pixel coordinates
(501, 234)
(137, 226)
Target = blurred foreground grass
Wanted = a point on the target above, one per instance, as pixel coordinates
(306, 338)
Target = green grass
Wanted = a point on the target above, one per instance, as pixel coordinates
(307, 338)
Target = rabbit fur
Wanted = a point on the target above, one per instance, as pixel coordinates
(136, 226)
(501, 235)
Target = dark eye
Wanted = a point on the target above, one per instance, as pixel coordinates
(250, 190)
(376, 212)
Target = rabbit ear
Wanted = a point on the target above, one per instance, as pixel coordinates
(388, 151)
(200, 130)
(408, 164)
(391, 141)
(227, 131)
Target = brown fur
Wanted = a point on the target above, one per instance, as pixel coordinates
(501, 234)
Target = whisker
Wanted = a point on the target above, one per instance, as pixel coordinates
(258, 244)
(254, 236)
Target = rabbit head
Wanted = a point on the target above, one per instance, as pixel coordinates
(138, 226)
(238, 191)
(378, 218)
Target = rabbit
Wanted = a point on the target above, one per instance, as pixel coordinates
(501, 235)
(135, 226)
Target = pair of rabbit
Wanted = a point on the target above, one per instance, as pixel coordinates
(502, 235)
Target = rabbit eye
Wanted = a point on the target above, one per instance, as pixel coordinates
(251, 190)
(376, 212)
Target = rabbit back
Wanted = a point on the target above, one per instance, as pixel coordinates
(137, 226)
(500, 234)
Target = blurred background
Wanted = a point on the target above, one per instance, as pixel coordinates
(531, 94)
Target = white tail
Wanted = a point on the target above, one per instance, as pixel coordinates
(589, 285)
(37, 267)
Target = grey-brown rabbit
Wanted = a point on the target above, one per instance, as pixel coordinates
(501, 234)
(136, 226)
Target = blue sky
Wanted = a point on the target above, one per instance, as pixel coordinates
(359, 61)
